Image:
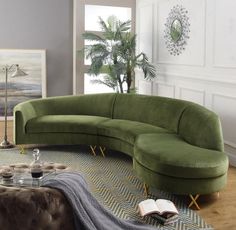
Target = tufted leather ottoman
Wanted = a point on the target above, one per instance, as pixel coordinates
(35, 208)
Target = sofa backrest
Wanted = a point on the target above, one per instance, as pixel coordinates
(91, 104)
(201, 127)
(160, 111)
(194, 123)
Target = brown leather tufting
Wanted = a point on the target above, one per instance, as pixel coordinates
(35, 208)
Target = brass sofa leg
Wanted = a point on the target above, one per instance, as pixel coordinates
(93, 149)
(146, 189)
(22, 149)
(102, 149)
(194, 201)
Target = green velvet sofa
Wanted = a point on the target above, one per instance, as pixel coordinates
(176, 145)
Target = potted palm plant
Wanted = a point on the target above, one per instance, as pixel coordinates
(114, 54)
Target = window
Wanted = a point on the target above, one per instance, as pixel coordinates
(92, 12)
(86, 19)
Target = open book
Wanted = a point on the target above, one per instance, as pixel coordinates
(165, 221)
(162, 207)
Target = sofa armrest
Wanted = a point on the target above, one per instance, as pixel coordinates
(201, 127)
(23, 112)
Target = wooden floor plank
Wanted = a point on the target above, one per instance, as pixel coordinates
(9, 131)
(220, 211)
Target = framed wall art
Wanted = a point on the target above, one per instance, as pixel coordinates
(26, 77)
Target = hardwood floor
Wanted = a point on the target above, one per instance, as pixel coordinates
(9, 131)
(220, 211)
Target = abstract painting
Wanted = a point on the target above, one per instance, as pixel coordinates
(31, 85)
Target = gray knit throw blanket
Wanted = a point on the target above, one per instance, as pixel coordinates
(89, 214)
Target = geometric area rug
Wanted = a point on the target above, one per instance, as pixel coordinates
(112, 181)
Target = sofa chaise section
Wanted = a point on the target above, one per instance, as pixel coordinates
(169, 157)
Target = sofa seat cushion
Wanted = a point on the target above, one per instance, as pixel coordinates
(168, 154)
(64, 124)
(127, 130)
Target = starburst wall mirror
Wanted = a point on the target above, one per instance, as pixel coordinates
(177, 30)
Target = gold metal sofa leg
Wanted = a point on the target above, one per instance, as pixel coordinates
(102, 150)
(93, 149)
(146, 189)
(22, 149)
(194, 201)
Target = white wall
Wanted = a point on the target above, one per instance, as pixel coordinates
(205, 72)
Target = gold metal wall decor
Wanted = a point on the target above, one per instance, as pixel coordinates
(177, 30)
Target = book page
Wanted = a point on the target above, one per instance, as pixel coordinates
(147, 206)
(166, 206)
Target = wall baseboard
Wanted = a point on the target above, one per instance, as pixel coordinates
(231, 152)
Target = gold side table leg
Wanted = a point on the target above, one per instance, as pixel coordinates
(22, 149)
(146, 189)
(102, 149)
(93, 149)
(194, 201)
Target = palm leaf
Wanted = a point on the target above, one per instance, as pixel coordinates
(122, 27)
(125, 26)
(93, 37)
(96, 65)
(107, 80)
(112, 22)
(108, 28)
(102, 24)
(96, 50)
(149, 69)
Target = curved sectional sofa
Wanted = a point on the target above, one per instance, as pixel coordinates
(176, 145)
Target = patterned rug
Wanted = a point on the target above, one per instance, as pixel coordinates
(112, 181)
